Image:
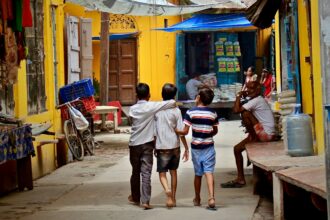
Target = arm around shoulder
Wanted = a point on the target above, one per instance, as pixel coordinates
(185, 131)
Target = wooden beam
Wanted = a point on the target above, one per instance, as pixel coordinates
(104, 62)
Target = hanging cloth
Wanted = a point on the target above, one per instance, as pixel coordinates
(26, 14)
(7, 10)
(18, 8)
(11, 55)
(21, 55)
(2, 41)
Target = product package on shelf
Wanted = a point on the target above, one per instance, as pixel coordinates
(227, 58)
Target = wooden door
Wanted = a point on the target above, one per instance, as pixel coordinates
(123, 71)
(86, 55)
(72, 25)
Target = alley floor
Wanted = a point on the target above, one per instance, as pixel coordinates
(97, 188)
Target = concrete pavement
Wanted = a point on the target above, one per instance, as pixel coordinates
(97, 188)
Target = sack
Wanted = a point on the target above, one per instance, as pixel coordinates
(79, 120)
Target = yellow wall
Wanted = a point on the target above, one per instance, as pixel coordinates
(45, 160)
(304, 51)
(311, 95)
(317, 76)
(155, 49)
(278, 53)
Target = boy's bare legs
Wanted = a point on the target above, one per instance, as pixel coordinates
(163, 181)
(210, 187)
(174, 182)
(197, 185)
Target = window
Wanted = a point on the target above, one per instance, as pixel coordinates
(35, 61)
(7, 102)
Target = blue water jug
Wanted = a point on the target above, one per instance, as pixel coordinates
(299, 135)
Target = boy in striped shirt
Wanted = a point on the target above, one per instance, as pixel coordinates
(204, 122)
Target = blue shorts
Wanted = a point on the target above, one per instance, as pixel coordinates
(203, 160)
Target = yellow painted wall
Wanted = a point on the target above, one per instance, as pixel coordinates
(155, 49)
(278, 53)
(317, 75)
(308, 95)
(304, 51)
(45, 160)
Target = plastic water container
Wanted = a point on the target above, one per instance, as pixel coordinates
(299, 135)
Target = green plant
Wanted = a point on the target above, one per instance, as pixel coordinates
(96, 85)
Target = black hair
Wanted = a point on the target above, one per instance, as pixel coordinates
(169, 91)
(142, 91)
(206, 94)
(196, 74)
(252, 68)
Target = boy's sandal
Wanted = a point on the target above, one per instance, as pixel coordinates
(211, 204)
(232, 184)
(197, 202)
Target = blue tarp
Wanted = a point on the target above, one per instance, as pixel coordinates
(205, 22)
(116, 36)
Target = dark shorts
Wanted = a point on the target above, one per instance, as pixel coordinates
(168, 159)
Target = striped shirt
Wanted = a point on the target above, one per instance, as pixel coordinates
(202, 120)
(142, 115)
(165, 123)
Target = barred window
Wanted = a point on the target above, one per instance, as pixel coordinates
(7, 102)
(35, 61)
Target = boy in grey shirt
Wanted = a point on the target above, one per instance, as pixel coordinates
(168, 144)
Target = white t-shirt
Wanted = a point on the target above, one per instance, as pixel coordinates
(165, 123)
(192, 88)
(261, 110)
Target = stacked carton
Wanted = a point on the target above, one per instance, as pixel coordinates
(287, 100)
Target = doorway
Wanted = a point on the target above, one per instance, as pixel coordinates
(123, 71)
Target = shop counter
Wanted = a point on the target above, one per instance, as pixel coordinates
(223, 108)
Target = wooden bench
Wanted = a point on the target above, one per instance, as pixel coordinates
(311, 179)
(270, 157)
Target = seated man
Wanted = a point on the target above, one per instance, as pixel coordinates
(258, 119)
(192, 86)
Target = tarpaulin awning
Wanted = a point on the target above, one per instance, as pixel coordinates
(117, 36)
(262, 12)
(153, 7)
(211, 22)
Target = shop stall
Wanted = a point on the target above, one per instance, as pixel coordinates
(221, 48)
(16, 144)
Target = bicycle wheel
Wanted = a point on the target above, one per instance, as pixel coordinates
(75, 144)
(88, 141)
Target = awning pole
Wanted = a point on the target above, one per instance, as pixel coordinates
(104, 62)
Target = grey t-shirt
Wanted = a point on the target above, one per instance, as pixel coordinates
(192, 88)
(261, 110)
(165, 123)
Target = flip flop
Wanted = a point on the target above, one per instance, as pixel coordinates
(232, 184)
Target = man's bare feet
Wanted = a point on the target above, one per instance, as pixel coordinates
(130, 199)
(147, 206)
(197, 202)
(169, 201)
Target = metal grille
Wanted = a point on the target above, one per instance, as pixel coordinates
(35, 61)
(7, 102)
